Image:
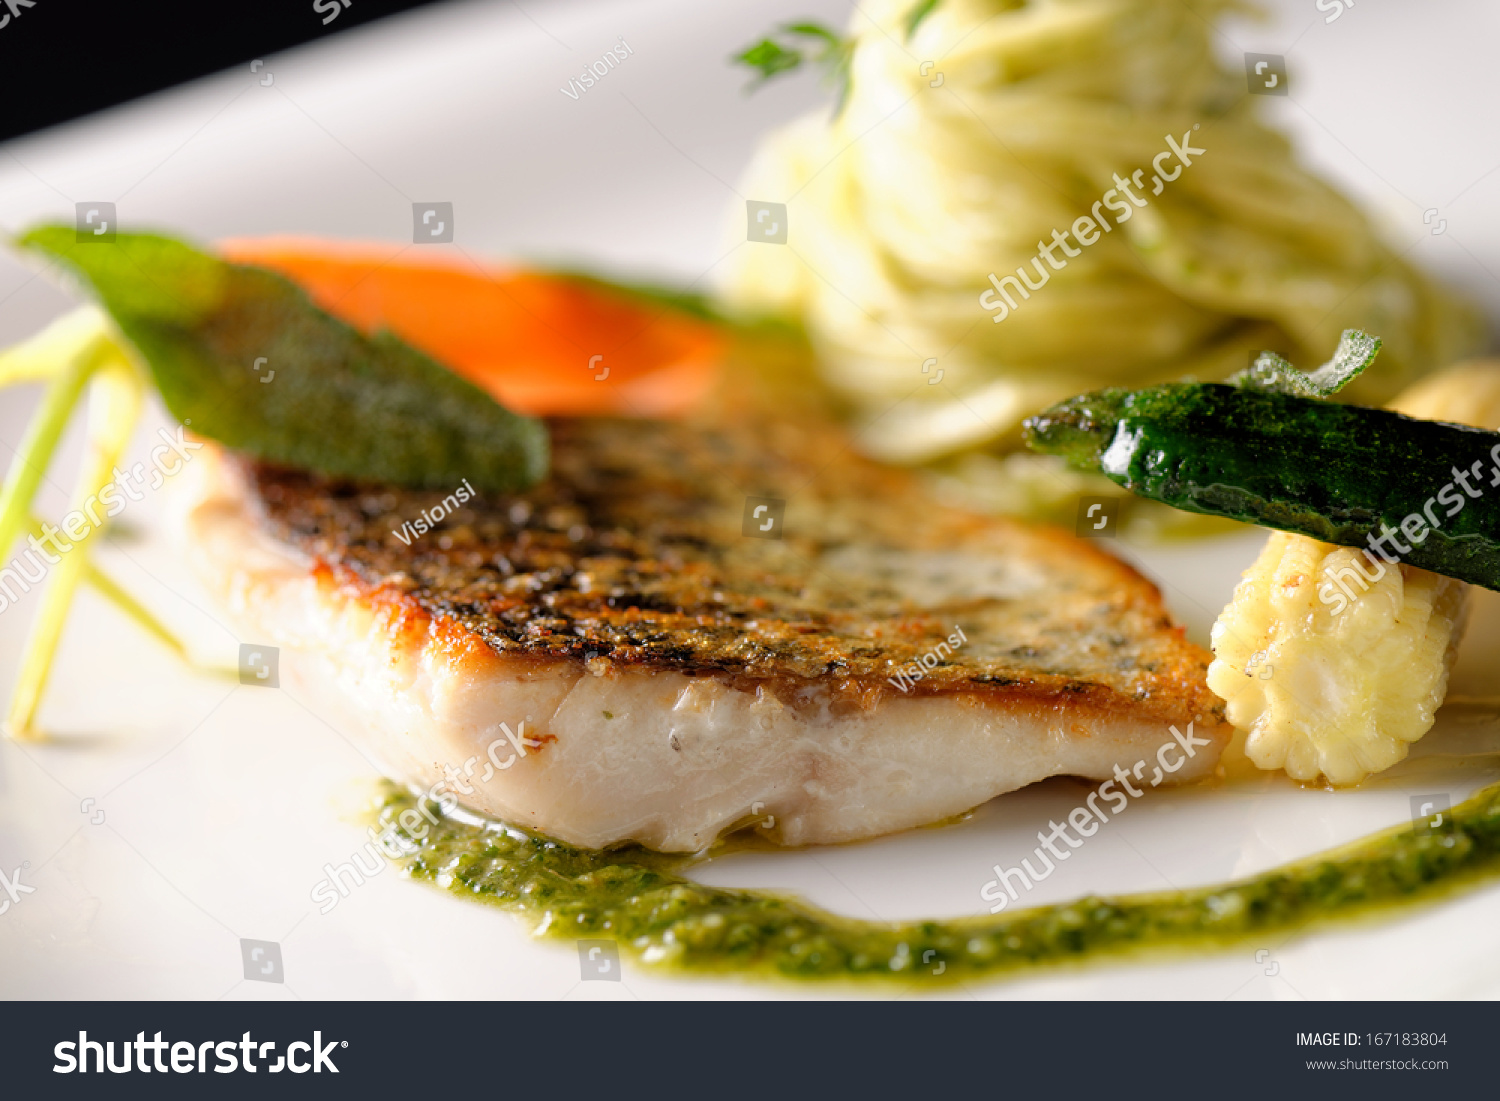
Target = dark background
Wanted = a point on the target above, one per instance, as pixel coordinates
(909, 1050)
(60, 59)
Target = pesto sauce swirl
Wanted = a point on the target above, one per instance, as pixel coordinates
(643, 900)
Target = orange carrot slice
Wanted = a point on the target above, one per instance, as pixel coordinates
(540, 343)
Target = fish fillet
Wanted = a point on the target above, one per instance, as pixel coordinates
(870, 662)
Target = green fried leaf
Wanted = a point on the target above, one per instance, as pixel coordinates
(1275, 374)
(243, 356)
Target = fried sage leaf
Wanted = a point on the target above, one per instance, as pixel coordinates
(1274, 374)
(243, 356)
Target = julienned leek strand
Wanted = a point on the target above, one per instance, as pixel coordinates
(1341, 692)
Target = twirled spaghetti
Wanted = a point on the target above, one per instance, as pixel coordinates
(934, 176)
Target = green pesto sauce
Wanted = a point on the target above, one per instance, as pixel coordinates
(642, 900)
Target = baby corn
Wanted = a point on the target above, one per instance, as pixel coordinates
(1333, 660)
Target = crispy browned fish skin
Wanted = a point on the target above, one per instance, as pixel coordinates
(633, 552)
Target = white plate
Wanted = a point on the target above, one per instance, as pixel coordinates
(221, 804)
